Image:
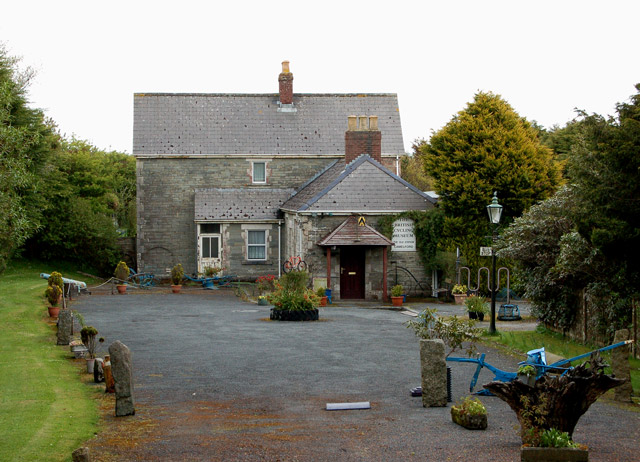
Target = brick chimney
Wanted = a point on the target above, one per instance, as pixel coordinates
(362, 137)
(285, 79)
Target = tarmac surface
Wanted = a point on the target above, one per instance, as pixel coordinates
(216, 380)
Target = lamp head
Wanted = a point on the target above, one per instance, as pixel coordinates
(494, 209)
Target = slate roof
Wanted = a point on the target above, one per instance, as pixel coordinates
(350, 233)
(363, 185)
(221, 204)
(241, 124)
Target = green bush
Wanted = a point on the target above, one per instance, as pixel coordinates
(53, 294)
(476, 304)
(553, 438)
(471, 406)
(177, 273)
(291, 293)
(452, 331)
(122, 271)
(55, 278)
(396, 291)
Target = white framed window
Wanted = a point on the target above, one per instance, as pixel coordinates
(259, 172)
(256, 245)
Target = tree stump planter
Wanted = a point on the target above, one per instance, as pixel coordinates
(529, 454)
(294, 315)
(470, 422)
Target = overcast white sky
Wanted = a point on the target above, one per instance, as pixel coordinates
(544, 57)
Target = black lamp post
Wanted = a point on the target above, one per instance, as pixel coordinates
(495, 211)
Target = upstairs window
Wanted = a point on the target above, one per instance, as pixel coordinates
(259, 173)
(257, 245)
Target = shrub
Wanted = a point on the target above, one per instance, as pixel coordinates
(211, 271)
(470, 406)
(396, 291)
(320, 292)
(476, 304)
(265, 283)
(53, 294)
(55, 278)
(452, 331)
(88, 336)
(527, 369)
(553, 438)
(291, 293)
(459, 289)
(122, 271)
(177, 273)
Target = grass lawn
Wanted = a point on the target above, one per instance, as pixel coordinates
(47, 402)
(555, 343)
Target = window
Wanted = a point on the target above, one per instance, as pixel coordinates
(210, 228)
(256, 245)
(259, 172)
(210, 247)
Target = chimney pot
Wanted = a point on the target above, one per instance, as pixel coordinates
(353, 123)
(285, 67)
(363, 123)
(373, 123)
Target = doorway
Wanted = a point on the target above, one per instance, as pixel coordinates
(352, 264)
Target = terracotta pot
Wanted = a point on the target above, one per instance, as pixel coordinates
(54, 311)
(176, 288)
(122, 289)
(397, 301)
(323, 301)
(459, 298)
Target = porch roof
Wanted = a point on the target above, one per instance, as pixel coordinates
(350, 233)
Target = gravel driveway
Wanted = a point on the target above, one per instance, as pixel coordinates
(216, 380)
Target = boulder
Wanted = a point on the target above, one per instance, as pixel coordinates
(122, 370)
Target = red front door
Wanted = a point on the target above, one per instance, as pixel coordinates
(351, 272)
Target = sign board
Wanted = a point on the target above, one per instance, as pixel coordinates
(486, 251)
(361, 221)
(403, 236)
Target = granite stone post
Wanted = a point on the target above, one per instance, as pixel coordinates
(122, 370)
(434, 373)
(110, 385)
(620, 367)
(65, 327)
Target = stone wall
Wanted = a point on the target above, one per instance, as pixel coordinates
(302, 232)
(165, 201)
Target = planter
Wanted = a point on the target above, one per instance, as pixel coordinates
(54, 311)
(528, 379)
(476, 315)
(263, 302)
(294, 315)
(122, 289)
(323, 301)
(470, 422)
(176, 288)
(397, 301)
(79, 351)
(90, 364)
(459, 298)
(528, 454)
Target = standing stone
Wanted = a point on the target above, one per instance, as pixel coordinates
(108, 376)
(122, 370)
(620, 367)
(65, 327)
(81, 455)
(434, 373)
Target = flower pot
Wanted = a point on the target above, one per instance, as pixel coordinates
(460, 299)
(323, 301)
(90, 364)
(54, 311)
(397, 301)
(262, 302)
(528, 379)
(176, 288)
(530, 454)
(122, 289)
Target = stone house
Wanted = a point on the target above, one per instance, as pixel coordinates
(245, 181)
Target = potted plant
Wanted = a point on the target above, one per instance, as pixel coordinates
(212, 271)
(177, 273)
(53, 292)
(396, 295)
(527, 374)
(470, 413)
(292, 300)
(262, 300)
(121, 273)
(477, 307)
(88, 336)
(322, 294)
(459, 293)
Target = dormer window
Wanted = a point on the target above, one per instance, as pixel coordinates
(259, 172)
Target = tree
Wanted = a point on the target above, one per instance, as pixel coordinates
(25, 141)
(412, 169)
(485, 148)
